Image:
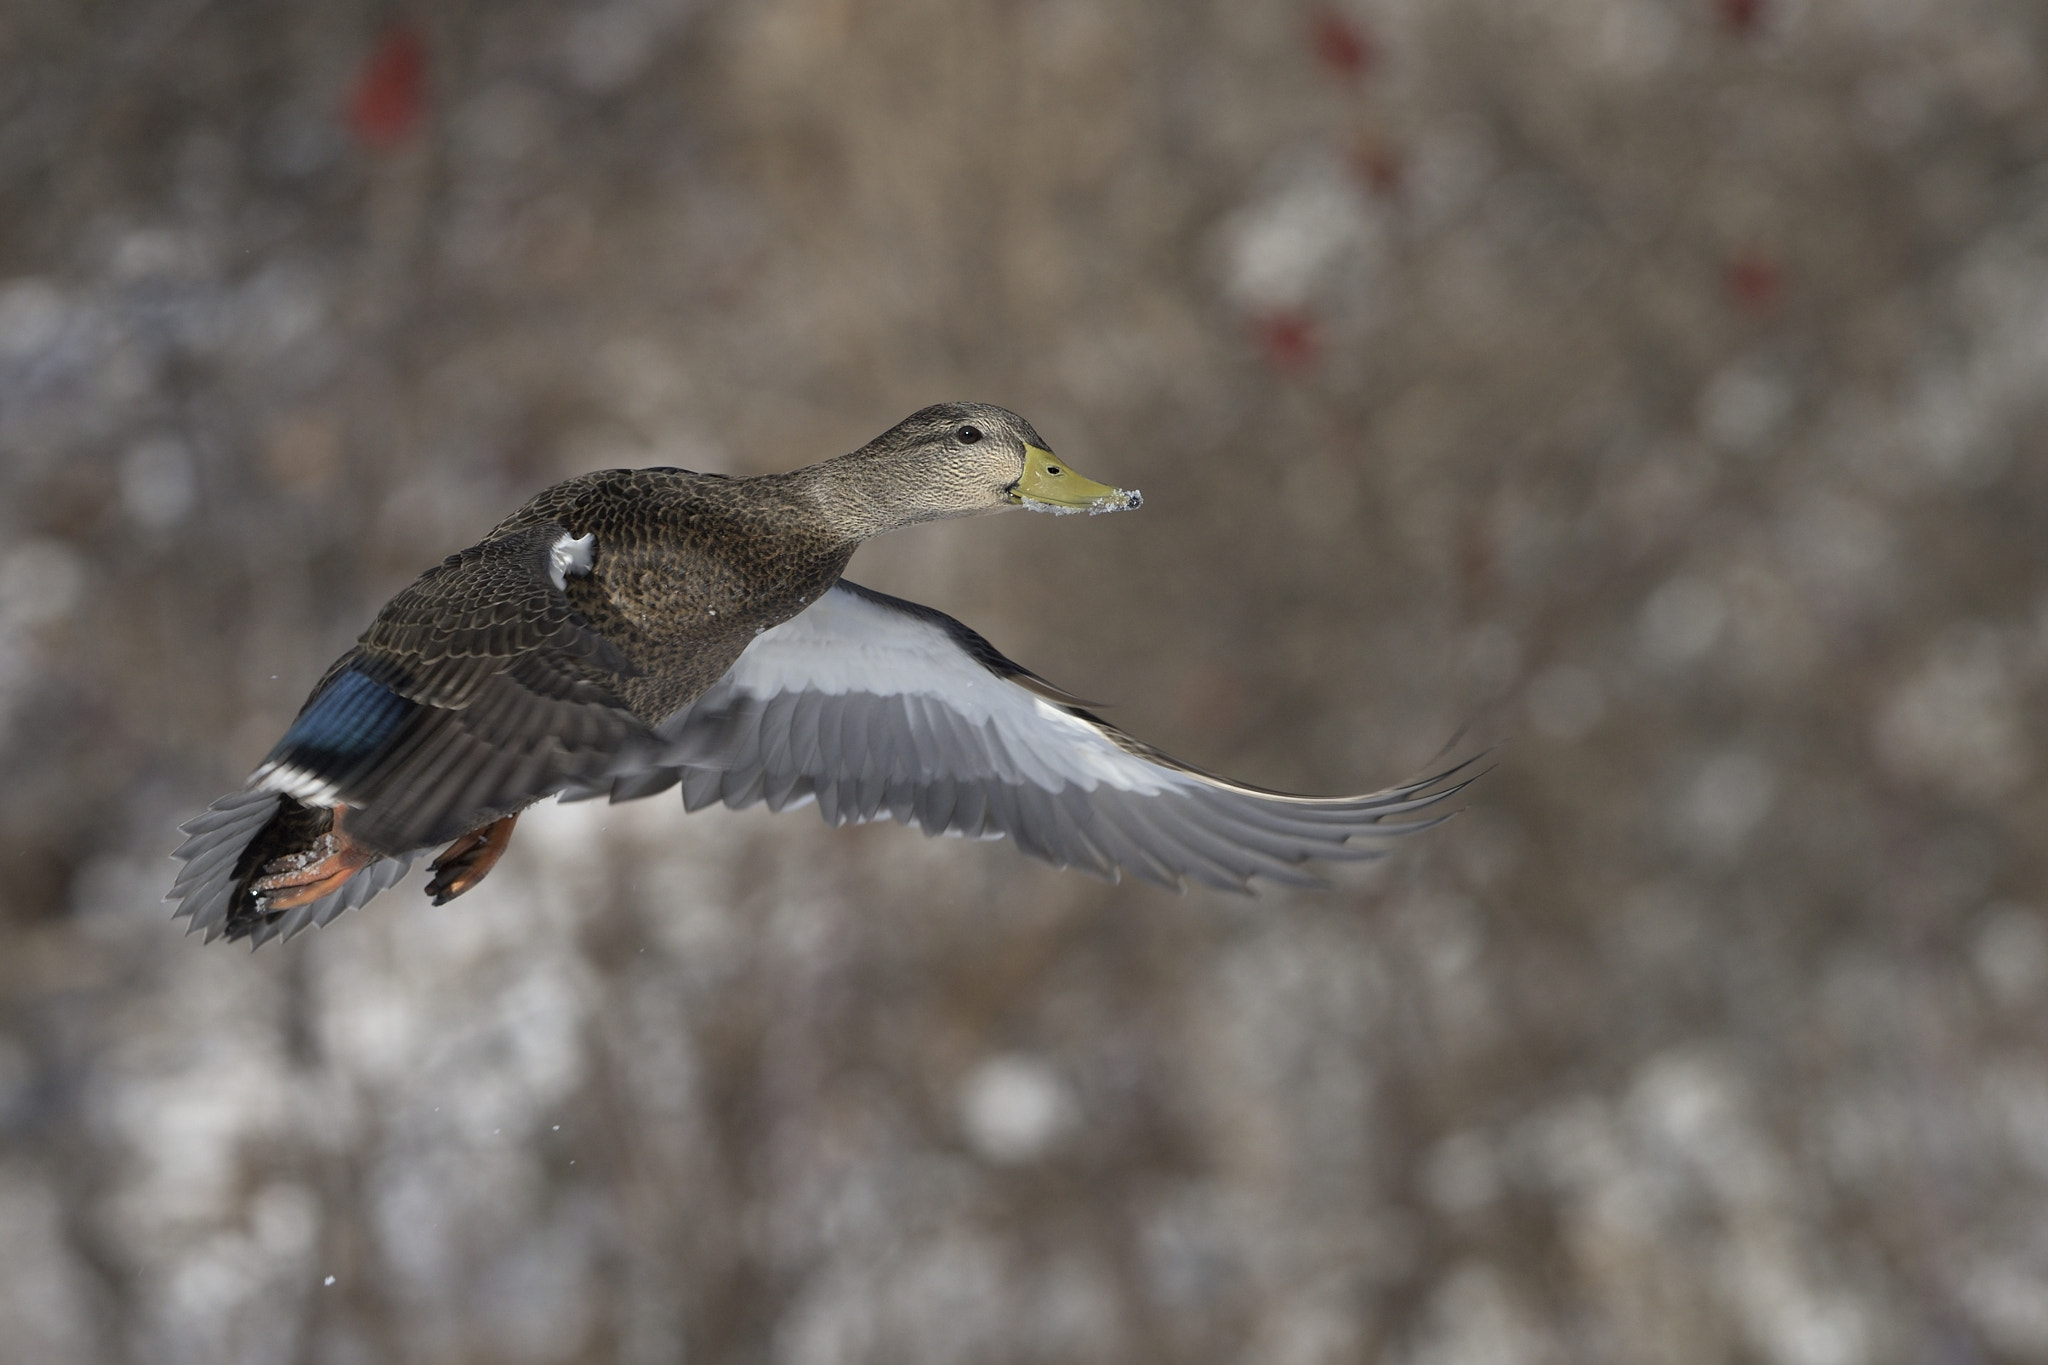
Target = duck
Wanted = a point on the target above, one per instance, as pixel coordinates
(629, 631)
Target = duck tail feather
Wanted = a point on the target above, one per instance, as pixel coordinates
(204, 889)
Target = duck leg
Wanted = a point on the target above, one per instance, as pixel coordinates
(470, 859)
(322, 869)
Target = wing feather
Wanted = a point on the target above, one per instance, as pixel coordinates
(475, 691)
(701, 787)
(876, 706)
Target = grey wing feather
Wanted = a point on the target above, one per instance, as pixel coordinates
(874, 707)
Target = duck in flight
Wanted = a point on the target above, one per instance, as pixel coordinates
(633, 630)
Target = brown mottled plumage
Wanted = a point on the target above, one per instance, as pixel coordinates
(688, 568)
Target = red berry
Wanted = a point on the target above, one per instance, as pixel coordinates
(390, 93)
(1379, 166)
(1741, 16)
(1342, 44)
(1755, 283)
(1289, 338)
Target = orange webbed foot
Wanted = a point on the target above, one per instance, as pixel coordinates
(301, 878)
(470, 859)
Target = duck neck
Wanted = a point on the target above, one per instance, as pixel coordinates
(865, 494)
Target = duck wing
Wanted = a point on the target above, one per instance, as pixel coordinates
(873, 706)
(475, 691)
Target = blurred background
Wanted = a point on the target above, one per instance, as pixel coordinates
(1656, 386)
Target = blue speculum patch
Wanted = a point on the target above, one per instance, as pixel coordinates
(348, 720)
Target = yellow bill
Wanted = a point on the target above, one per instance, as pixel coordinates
(1049, 486)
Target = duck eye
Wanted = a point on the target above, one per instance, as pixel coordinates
(968, 435)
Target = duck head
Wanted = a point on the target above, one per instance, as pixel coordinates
(962, 459)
